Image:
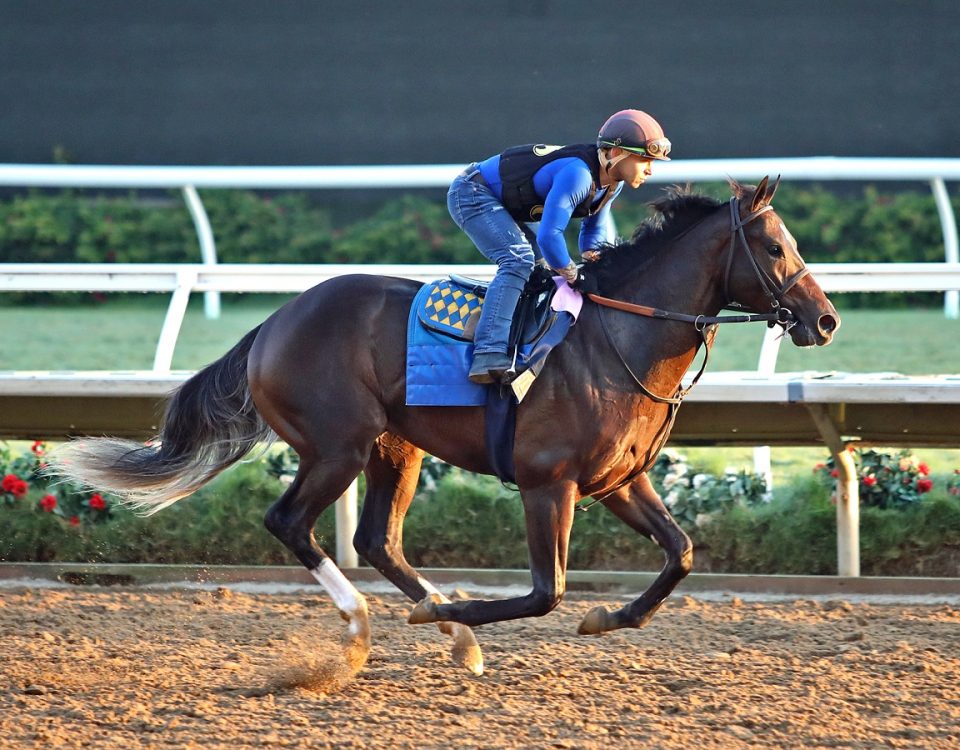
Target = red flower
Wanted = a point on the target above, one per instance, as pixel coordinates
(819, 467)
(923, 469)
(14, 485)
(835, 473)
(96, 502)
(870, 480)
(924, 485)
(74, 521)
(38, 447)
(48, 503)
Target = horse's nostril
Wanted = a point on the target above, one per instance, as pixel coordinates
(827, 324)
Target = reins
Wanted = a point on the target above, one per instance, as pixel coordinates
(779, 315)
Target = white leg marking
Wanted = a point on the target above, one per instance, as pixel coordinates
(343, 593)
(431, 589)
(465, 649)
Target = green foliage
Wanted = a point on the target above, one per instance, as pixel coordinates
(408, 230)
(72, 226)
(24, 483)
(887, 480)
(463, 520)
(695, 496)
(220, 524)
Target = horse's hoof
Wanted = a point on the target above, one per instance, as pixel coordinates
(595, 622)
(425, 611)
(470, 657)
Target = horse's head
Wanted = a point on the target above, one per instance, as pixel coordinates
(764, 271)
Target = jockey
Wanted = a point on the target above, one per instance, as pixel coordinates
(493, 201)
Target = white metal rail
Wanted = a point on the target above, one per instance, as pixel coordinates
(181, 280)
(934, 171)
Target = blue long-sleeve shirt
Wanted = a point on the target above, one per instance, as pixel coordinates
(562, 184)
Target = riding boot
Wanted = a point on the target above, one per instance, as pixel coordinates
(491, 359)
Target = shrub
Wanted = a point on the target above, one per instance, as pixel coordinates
(886, 480)
(462, 520)
(71, 226)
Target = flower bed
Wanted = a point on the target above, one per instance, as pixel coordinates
(464, 520)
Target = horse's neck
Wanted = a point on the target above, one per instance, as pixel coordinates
(686, 277)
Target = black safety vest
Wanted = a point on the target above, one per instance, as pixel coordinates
(518, 165)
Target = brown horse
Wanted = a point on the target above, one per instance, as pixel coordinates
(326, 374)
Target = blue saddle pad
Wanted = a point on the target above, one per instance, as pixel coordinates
(437, 364)
(439, 354)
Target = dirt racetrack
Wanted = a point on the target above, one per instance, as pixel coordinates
(144, 668)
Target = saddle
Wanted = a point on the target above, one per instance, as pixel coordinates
(440, 328)
(452, 308)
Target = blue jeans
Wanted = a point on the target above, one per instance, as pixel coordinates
(479, 213)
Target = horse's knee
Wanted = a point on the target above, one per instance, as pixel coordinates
(374, 548)
(681, 563)
(543, 602)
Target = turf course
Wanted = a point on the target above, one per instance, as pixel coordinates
(121, 334)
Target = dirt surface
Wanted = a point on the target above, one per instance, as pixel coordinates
(139, 668)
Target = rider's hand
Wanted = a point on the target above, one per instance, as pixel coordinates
(569, 272)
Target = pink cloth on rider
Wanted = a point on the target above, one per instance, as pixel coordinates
(567, 298)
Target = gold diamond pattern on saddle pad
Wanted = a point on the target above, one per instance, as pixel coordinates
(448, 308)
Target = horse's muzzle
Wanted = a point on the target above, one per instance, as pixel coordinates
(804, 334)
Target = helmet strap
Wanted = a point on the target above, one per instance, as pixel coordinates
(609, 163)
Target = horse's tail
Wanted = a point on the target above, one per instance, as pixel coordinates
(210, 423)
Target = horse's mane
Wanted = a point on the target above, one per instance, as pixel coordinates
(677, 211)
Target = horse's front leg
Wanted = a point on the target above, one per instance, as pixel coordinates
(639, 506)
(549, 516)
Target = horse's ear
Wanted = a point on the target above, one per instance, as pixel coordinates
(773, 190)
(760, 196)
(736, 188)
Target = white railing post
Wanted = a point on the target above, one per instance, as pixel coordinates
(208, 248)
(847, 493)
(948, 224)
(767, 365)
(346, 522)
(173, 321)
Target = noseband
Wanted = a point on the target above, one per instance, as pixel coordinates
(773, 292)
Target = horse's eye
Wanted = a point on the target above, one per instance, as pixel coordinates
(776, 251)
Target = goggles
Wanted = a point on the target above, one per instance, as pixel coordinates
(658, 148)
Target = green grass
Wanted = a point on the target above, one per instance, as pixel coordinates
(121, 334)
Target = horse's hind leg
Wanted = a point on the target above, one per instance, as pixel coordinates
(639, 506)
(291, 519)
(548, 511)
(392, 473)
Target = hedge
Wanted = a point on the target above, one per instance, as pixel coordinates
(473, 521)
(84, 227)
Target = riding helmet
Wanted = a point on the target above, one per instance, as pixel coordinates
(637, 132)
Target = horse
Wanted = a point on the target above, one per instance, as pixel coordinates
(325, 373)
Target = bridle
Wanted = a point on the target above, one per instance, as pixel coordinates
(773, 292)
(778, 315)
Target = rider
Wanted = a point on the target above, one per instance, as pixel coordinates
(493, 201)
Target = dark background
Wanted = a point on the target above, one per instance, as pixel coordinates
(296, 82)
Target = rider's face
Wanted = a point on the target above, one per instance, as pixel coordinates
(634, 170)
